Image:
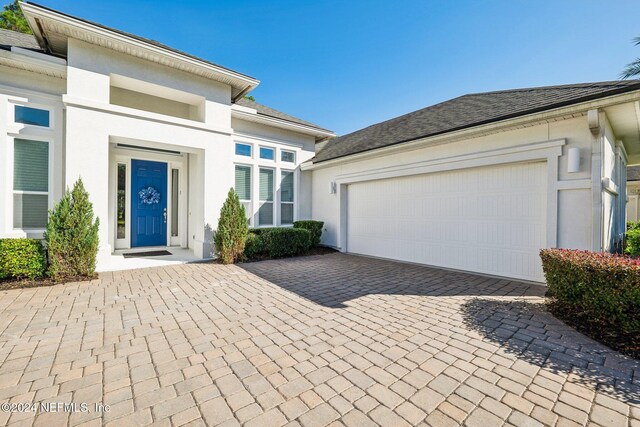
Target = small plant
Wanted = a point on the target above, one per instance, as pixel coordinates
(72, 236)
(231, 235)
(22, 259)
(632, 239)
(314, 227)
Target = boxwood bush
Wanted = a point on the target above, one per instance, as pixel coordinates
(314, 227)
(253, 247)
(274, 242)
(598, 292)
(22, 259)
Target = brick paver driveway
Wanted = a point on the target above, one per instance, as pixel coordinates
(309, 341)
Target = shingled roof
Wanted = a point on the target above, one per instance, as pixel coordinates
(263, 110)
(633, 173)
(468, 111)
(10, 38)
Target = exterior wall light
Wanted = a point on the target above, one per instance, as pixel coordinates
(574, 160)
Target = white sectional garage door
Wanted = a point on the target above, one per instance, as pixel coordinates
(489, 220)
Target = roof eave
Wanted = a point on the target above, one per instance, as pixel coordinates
(485, 127)
(320, 134)
(37, 16)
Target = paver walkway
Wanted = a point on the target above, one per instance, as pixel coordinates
(309, 341)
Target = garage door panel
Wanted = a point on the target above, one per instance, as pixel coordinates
(490, 220)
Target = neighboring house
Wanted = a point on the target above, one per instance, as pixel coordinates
(633, 193)
(157, 135)
(484, 181)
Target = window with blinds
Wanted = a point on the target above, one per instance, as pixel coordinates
(265, 212)
(243, 187)
(30, 183)
(286, 197)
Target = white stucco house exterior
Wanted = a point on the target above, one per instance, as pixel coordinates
(484, 181)
(478, 183)
(157, 135)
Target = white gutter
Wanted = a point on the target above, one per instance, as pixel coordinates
(33, 12)
(522, 121)
(284, 124)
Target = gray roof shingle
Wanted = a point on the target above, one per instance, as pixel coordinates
(467, 111)
(10, 38)
(633, 173)
(270, 112)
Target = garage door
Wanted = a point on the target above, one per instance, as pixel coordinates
(489, 220)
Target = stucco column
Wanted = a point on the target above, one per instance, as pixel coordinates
(87, 157)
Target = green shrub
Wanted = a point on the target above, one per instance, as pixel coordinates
(275, 242)
(283, 242)
(263, 230)
(253, 247)
(600, 291)
(632, 242)
(22, 259)
(314, 227)
(231, 234)
(72, 236)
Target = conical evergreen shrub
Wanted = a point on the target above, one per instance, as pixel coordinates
(232, 230)
(72, 236)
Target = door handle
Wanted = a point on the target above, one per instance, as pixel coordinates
(165, 215)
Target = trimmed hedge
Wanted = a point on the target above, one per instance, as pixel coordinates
(314, 227)
(22, 259)
(253, 247)
(276, 242)
(598, 291)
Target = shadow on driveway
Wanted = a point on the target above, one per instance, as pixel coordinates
(531, 333)
(331, 280)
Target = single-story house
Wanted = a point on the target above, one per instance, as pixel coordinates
(479, 183)
(633, 193)
(158, 137)
(482, 182)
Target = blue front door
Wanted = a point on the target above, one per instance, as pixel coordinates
(148, 203)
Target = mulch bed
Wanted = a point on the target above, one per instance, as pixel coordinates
(628, 344)
(38, 283)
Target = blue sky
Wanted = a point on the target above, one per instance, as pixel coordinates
(346, 64)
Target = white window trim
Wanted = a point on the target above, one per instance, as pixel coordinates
(49, 192)
(12, 114)
(240, 156)
(273, 202)
(288, 151)
(275, 152)
(250, 200)
(277, 165)
(295, 198)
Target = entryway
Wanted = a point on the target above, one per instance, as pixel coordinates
(149, 198)
(148, 203)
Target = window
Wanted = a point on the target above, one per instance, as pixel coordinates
(267, 153)
(175, 201)
(30, 183)
(286, 198)
(122, 201)
(243, 149)
(243, 187)
(288, 156)
(31, 116)
(265, 213)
